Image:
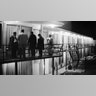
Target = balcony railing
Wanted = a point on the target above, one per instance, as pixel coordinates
(57, 49)
(5, 53)
(57, 52)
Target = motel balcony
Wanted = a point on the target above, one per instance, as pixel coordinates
(56, 64)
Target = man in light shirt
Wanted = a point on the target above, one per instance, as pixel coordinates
(50, 44)
(22, 42)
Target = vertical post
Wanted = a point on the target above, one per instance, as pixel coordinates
(41, 32)
(44, 66)
(62, 55)
(3, 53)
(1, 71)
(66, 58)
(53, 66)
(16, 68)
(56, 69)
(62, 49)
(0, 34)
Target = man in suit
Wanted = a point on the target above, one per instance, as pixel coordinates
(32, 44)
(22, 41)
(40, 44)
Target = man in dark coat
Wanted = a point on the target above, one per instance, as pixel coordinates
(13, 45)
(32, 44)
(40, 44)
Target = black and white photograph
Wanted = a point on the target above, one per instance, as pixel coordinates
(47, 48)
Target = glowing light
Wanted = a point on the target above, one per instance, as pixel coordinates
(67, 33)
(74, 35)
(52, 25)
(11, 22)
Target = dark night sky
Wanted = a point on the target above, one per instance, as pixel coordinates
(87, 28)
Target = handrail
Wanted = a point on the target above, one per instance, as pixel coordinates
(27, 59)
(5, 52)
(59, 49)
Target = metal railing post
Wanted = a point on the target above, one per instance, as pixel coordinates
(1, 71)
(3, 53)
(44, 66)
(52, 65)
(56, 69)
(66, 59)
(16, 69)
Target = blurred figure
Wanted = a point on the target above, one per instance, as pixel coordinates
(50, 44)
(40, 45)
(93, 49)
(32, 44)
(78, 57)
(22, 41)
(13, 43)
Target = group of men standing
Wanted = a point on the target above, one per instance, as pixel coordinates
(34, 45)
(19, 44)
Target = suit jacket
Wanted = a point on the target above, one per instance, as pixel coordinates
(13, 43)
(23, 40)
(41, 43)
(32, 41)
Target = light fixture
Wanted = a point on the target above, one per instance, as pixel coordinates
(11, 22)
(52, 25)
